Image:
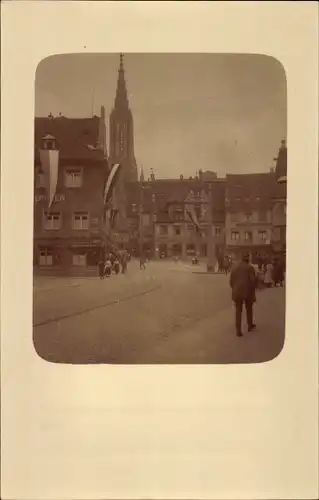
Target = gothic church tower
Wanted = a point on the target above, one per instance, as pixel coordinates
(121, 150)
(121, 143)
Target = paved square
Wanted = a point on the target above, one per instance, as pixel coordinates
(168, 313)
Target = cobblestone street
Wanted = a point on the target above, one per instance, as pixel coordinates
(169, 313)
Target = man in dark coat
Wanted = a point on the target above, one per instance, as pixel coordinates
(243, 284)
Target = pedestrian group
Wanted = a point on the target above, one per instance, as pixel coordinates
(115, 263)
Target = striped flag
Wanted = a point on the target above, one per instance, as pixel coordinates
(49, 159)
(111, 181)
(190, 210)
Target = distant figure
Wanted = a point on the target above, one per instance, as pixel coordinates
(220, 263)
(142, 262)
(112, 258)
(116, 266)
(101, 266)
(268, 279)
(278, 273)
(124, 261)
(226, 265)
(243, 284)
(108, 267)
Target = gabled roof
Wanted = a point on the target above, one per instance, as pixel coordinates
(77, 138)
(250, 192)
(173, 191)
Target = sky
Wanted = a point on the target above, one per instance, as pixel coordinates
(221, 112)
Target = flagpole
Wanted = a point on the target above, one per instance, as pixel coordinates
(92, 103)
(211, 257)
(141, 220)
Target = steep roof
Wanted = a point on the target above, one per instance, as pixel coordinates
(170, 191)
(250, 192)
(75, 136)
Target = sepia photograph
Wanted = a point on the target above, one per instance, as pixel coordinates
(160, 200)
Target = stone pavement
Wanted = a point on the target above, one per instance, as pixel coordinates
(153, 316)
(213, 339)
(56, 298)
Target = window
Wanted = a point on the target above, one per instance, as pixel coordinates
(52, 221)
(203, 250)
(73, 178)
(248, 217)
(217, 231)
(79, 259)
(190, 249)
(81, 220)
(121, 141)
(163, 230)
(248, 236)
(262, 215)
(190, 227)
(133, 207)
(177, 230)
(46, 257)
(235, 235)
(177, 249)
(262, 235)
(178, 213)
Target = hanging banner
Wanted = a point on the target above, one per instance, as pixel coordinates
(111, 181)
(50, 165)
(190, 210)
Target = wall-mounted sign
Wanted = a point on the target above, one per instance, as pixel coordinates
(43, 197)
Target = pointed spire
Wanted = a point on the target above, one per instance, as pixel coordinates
(121, 100)
(142, 175)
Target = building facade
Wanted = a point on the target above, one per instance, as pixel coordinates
(160, 225)
(69, 218)
(256, 207)
(279, 210)
(249, 214)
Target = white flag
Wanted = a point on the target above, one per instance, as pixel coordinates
(50, 165)
(110, 183)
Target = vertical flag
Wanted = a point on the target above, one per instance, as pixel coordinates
(50, 165)
(111, 181)
(190, 210)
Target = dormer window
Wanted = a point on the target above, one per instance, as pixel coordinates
(49, 142)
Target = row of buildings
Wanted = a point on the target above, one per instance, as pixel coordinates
(73, 226)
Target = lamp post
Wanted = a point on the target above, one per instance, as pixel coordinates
(141, 225)
(141, 220)
(211, 257)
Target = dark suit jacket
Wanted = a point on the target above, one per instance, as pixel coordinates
(243, 282)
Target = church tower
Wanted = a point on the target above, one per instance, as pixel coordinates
(121, 143)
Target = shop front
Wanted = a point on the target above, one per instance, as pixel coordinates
(65, 258)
